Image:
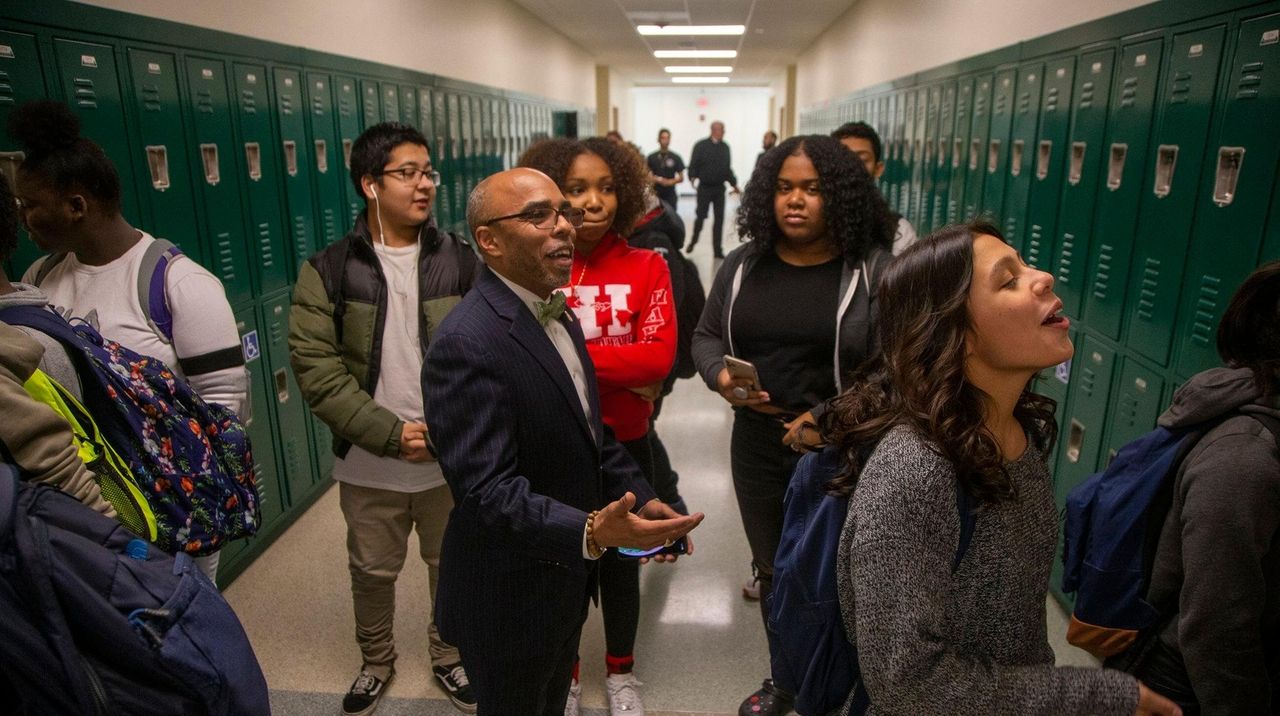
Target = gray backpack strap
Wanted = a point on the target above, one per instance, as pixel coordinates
(47, 265)
(152, 296)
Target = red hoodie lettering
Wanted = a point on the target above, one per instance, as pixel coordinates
(612, 309)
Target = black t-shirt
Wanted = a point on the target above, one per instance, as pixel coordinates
(784, 321)
(665, 165)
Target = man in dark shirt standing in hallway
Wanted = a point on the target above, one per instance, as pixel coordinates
(667, 169)
(710, 167)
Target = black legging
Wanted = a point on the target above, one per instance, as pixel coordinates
(620, 577)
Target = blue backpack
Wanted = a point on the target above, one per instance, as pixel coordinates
(1113, 524)
(190, 459)
(97, 621)
(811, 655)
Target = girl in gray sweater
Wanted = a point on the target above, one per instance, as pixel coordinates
(964, 326)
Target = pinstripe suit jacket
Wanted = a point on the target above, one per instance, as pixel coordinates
(524, 468)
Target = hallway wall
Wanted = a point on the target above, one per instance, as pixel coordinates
(865, 46)
(434, 36)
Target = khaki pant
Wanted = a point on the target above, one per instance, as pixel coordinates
(378, 524)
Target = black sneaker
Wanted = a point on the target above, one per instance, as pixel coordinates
(456, 686)
(363, 697)
(768, 701)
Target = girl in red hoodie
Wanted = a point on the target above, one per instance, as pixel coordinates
(622, 299)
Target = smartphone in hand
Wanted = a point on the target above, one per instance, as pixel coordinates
(739, 368)
(679, 546)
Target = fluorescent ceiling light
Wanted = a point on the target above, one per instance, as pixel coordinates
(691, 29)
(686, 69)
(695, 54)
(691, 80)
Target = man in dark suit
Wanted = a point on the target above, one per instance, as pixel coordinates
(541, 487)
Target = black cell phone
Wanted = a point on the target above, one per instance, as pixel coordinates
(680, 546)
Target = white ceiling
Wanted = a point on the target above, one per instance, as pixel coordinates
(777, 32)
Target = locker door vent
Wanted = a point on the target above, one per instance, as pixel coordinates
(1180, 88)
(1147, 295)
(1206, 317)
(1129, 94)
(1102, 277)
(1086, 95)
(86, 95)
(1065, 257)
(226, 257)
(1115, 165)
(1250, 80)
(151, 98)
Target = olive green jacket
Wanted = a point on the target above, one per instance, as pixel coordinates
(336, 322)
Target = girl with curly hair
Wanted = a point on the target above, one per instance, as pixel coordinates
(797, 302)
(622, 299)
(964, 326)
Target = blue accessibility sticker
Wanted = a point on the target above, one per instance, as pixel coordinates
(249, 344)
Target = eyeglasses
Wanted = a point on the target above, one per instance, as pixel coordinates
(545, 217)
(412, 175)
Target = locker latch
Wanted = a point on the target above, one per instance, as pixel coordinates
(1075, 440)
(253, 156)
(1077, 162)
(158, 163)
(291, 157)
(281, 377)
(209, 159)
(1043, 157)
(9, 163)
(322, 156)
(1228, 174)
(1115, 166)
(1166, 160)
(993, 157)
(346, 152)
(1015, 159)
(957, 150)
(975, 150)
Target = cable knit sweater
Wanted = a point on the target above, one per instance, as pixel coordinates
(972, 642)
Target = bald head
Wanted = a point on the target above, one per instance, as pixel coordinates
(717, 130)
(537, 259)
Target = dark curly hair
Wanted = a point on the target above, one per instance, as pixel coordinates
(856, 214)
(553, 157)
(919, 378)
(49, 132)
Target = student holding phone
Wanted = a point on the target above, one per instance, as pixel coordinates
(796, 303)
(622, 298)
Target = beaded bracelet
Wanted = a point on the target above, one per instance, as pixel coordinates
(594, 550)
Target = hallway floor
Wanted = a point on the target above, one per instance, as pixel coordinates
(701, 646)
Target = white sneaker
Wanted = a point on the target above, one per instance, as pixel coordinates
(575, 695)
(624, 697)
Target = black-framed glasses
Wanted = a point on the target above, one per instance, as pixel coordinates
(412, 175)
(545, 217)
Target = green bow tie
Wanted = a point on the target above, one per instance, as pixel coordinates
(551, 309)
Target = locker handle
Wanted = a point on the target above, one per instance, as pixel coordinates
(1166, 161)
(209, 160)
(291, 157)
(281, 377)
(1043, 157)
(942, 152)
(975, 149)
(158, 163)
(1115, 167)
(957, 149)
(993, 157)
(916, 151)
(1015, 159)
(253, 155)
(1075, 440)
(1230, 159)
(322, 156)
(9, 163)
(346, 152)
(1077, 162)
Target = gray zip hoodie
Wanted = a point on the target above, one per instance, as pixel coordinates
(1218, 561)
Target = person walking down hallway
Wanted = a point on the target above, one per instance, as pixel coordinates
(710, 167)
(667, 169)
(364, 311)
(541, 485)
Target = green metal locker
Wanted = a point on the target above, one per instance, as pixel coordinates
(997, 151)
(296, 159)
(164, 163)
(1240, 169)
(261, 168)
(975, 170)
(292, 434)
(470, 145)
(370, 102)
(959, 150)
(21, 80)
(331, 203)
(1083, 424)
(1082, 154)
(259, 422)
(442, 157)
(1271, 243)
(1124, 160)
(91, 86)
(409, 106)
(928, 145)
(390, 102)
(1169, 199)
(484, 133)
(920, 142)
(1022, 154)
(218, 177)
(891, 146)
(349, 115)
(1137, 402)
(457, 159)
(941, 191)
(1048, 154)
(906, 137)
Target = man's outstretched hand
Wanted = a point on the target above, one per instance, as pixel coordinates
(657, 524)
